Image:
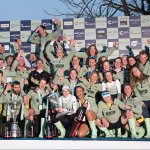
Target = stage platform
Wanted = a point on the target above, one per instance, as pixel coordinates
(74, 143)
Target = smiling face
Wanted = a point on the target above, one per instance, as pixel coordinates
(40, 64)
(136, 72)
(75, 60)
(42, 84)
(65, 92)
(118, 63)
(42, 31)
(80, 92)
(94, 78)
(132, 61)
(59, 54)
(73, 74)
(106, 66)
(92, 63)
(108, 76)
(92, 51)
(21, 61)
(127, 90)
(143, 58)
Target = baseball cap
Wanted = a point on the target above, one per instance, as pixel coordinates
(105, 94)
(65, 88)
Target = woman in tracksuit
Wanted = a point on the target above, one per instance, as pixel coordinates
(141, 85)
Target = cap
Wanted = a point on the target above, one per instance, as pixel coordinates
(65, 87)
(105, 94)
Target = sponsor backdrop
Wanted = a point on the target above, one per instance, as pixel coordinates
(133, 31)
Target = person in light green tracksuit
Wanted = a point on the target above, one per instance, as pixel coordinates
(2, 51)
(8, 74)
(92, 51)
(144, 62)
(36, 101)
(136, 103)
(11, 94)
(109, 115)
(41, 37)
(61, 62)
(141, 85)
(92, 87)
(72, 81)
(86, 70)
(118, 72)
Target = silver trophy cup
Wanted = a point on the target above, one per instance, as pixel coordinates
(15, 130)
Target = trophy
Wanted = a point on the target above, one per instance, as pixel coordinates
(15, 130)
(53, 99)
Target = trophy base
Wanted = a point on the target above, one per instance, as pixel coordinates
(15, 130)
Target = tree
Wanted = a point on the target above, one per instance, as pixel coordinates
(106, 8)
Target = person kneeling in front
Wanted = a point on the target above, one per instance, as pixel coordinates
(67, 106)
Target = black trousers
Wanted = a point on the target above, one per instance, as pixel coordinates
(66, 120)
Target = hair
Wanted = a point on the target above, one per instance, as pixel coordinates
(134, 79)
(40, 60)
(42, 78)
(15, 83)
(2, 59)
(143, 52)
(43, 27)
(105, 80)
(91, 57)
(72, 70)
(79, 87)
(131, 57)
(95, 72)
(105, 62)
(88, 50)
(1, 72)
(118, 58)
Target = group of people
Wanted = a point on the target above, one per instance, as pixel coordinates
(115, 93)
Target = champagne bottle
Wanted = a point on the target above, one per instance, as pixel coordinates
(49, 129)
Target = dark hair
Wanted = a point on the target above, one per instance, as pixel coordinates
(43, 27)
(143, 52)
(2, 59)
(1, 72)
(88, 50)
(118, 58)
(40, 60)
(42, 78)
(15, 83)
(105, 80)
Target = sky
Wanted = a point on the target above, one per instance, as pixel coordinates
(28, 9)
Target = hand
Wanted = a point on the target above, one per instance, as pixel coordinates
(8, 88)
(148, 41)
(57, 22)
(98, 122)
(127, 107)
(85, 105)
(26, 100)
(105, 122)
(32, 79)
(19, 41)
(64, 38)
(115, 44)
(143, 104)
(31, 113)
(60, 109)
(72, 42)
(16, 45)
